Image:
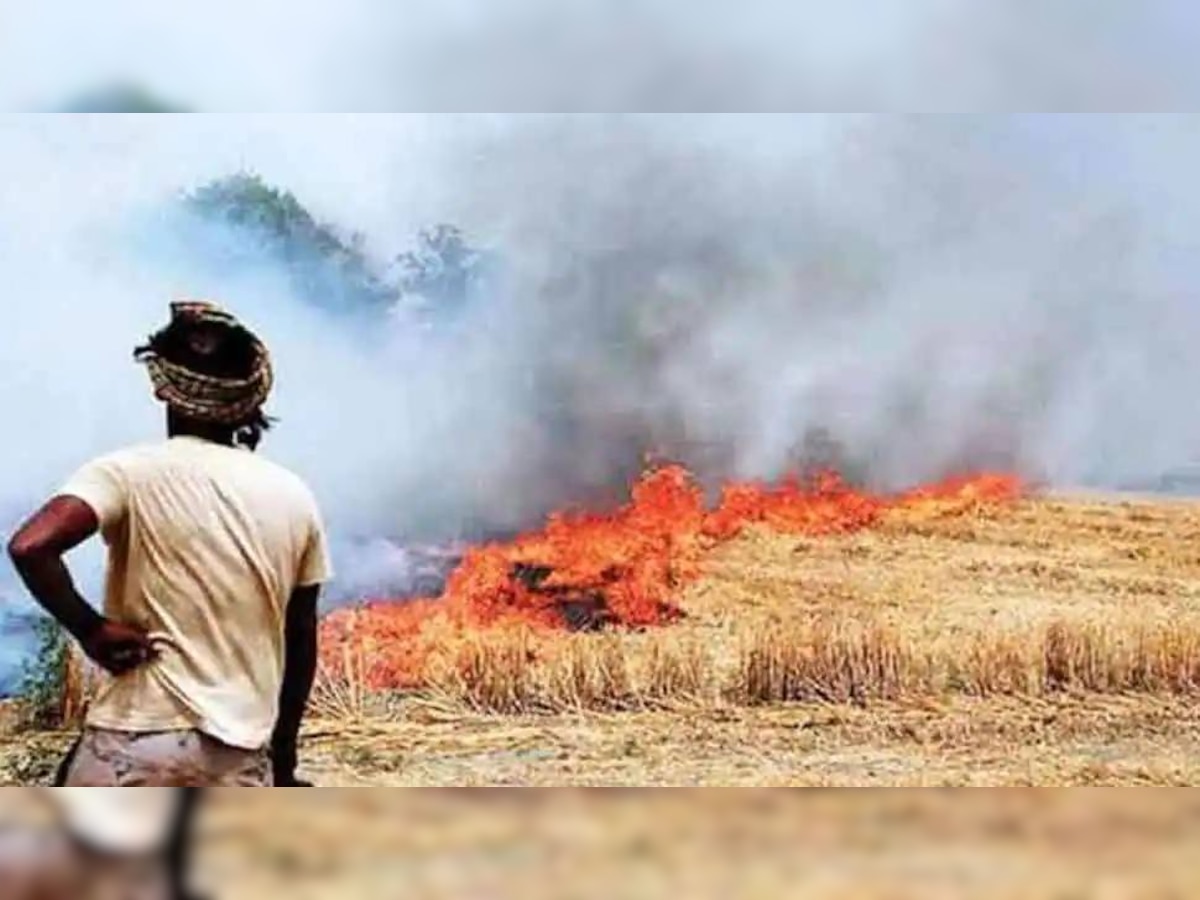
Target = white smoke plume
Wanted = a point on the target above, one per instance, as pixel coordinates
(934, 293)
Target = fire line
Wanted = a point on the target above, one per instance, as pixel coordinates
(620, 570)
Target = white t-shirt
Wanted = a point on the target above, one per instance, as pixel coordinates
(206, 545)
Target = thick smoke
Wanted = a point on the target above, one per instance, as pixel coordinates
(932, 293)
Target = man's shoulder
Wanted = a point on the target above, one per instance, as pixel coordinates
(283, 479)
(129, 456)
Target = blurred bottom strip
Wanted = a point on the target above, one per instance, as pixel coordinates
(704, 843)
(358, 844)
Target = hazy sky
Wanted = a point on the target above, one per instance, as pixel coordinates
(706, 55)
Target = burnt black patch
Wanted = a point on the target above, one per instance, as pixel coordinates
(584, 609)
(586, 612)
(532, 575)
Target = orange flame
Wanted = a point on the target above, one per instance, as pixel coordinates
(624, 569)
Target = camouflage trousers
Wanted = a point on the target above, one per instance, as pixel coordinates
(167, 759)
(45, 864)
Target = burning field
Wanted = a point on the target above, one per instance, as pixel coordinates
(619, 573)
(970, 633)
(804, 634)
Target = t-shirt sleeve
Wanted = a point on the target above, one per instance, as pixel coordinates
(315, 566)
(102, 484)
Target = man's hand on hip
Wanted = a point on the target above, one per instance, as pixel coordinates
(118, 648)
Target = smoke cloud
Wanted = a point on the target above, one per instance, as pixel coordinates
(931, 292)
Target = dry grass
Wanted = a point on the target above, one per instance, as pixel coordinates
(341, 694)
(834, 659)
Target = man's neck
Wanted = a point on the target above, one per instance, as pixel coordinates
(213, 434)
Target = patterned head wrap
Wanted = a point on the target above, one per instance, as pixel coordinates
(198, 327)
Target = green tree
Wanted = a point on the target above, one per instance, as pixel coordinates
(328, 268)
(443, 269)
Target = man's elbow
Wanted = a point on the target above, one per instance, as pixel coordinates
(25, 550)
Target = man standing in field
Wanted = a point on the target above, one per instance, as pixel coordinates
(208, 639)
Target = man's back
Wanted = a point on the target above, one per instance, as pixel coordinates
(207, 544)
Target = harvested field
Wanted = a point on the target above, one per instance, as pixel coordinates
(1054, 641)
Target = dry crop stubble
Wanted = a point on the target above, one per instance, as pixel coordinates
(1054, 641)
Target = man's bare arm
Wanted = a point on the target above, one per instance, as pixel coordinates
(37, 551)
(300, 669)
